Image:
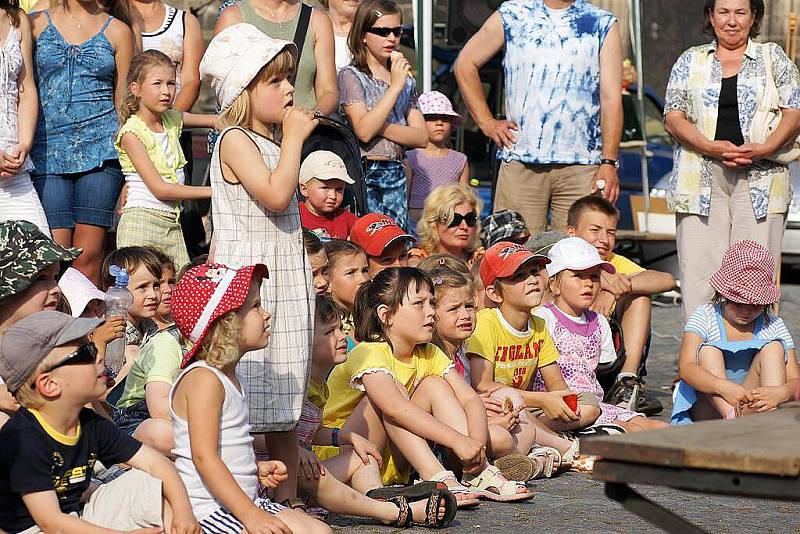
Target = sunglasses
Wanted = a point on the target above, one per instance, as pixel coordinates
(85, 354)
(470, 218)
(397, 31)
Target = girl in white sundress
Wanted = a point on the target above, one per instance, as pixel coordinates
(18, 109)
(257, 220)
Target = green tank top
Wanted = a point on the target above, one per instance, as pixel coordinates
(304, 95)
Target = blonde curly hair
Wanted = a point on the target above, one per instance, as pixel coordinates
(220, 346)
(439, 208)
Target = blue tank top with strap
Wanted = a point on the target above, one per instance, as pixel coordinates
(77, 119)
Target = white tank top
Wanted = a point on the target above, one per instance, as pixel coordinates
(168, 38)
(235, 447)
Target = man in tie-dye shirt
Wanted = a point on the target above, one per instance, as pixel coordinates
(563, 101)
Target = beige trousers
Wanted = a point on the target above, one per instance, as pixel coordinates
(703, 240)
(532, 190)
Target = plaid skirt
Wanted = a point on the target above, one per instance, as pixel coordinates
(142, 227)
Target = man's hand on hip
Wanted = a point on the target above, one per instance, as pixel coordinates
(500, 131)
(608, 174)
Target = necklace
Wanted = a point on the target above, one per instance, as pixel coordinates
(78, 24)
(273, 17)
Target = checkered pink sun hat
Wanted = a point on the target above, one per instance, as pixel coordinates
(747, 275)
(435, 103)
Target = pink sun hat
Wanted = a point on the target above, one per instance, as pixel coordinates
(747, 275)
(435, 103)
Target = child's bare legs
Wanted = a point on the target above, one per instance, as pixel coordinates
(635, 320)
(712, 360)
(367, 421)
(768, 367)
(638, 424)
(348, 467)
(329, 492)
(156, 433)
(589, 414)
(283, 446)
(300, 523)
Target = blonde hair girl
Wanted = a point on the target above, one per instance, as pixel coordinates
(450, 223)
(152, 159)
(254, 176)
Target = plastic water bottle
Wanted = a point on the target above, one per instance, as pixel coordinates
(118, 302)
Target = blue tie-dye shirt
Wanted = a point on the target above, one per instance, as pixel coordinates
(552, 72)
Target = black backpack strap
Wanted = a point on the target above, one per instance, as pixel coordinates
(300, 34)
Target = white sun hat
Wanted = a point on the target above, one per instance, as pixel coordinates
(235, 56)
(575, 254)
(78, 290)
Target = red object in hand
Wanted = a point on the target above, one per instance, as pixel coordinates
(572, 401)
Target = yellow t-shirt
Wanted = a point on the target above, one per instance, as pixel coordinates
(346, 391)
(344, 382)
(623, 265)
(515, 355)
(317, 394)
(27, 5)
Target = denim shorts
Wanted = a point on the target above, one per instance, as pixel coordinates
(81, 198)
(128, 419)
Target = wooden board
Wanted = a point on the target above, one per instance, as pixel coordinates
(764, 443)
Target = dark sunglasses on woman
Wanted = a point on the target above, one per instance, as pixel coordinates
(470, 218)
(397, 31)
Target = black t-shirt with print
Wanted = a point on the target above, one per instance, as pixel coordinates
(37, 458)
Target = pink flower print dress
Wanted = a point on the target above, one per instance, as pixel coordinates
(579, 346)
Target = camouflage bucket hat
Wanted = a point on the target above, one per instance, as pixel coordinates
(24, 251)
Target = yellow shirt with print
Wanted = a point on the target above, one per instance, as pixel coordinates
(623, 265)
(515, 355)
(347, 390)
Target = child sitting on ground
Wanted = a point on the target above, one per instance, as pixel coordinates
(394, 382)
(218, 310)
(455, 323)
(581, 335)
(50, 446)
(29, 267)
(318, 258)
(510, 346)
(323, 176)
(358, 461)
(437, 164)
(736, 357)
(142, 410)
(384, 242)
(624, 297)
(349, 269)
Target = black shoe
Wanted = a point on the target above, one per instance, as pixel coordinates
(625, 389)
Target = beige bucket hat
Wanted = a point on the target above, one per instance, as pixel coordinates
(235, 56)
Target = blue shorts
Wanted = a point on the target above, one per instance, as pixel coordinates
(81, 198)
(128, 419)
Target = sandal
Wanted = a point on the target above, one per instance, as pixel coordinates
(293, 503)
(457, 489)
(520, 468)
(491, 485)
(405, 517)
(551, 458)
(569, 457)
(415, 492)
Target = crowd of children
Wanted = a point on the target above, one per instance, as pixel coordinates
(316, 361)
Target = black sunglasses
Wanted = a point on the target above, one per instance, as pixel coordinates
(470, 218)
(397, 31)
(85, 354)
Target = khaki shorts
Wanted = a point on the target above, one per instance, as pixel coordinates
(584, 399)
(132, 501)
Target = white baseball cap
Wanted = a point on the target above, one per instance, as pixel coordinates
(575, 254)
(324, 165)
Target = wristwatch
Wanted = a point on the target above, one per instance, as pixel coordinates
(613, 162)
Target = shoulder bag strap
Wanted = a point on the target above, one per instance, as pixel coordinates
(300, 35)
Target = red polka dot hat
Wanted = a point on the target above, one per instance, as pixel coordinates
(205, 293)
(747, 275)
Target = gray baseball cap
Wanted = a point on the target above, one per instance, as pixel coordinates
(28, 342)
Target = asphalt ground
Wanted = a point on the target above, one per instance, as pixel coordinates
(574, 503)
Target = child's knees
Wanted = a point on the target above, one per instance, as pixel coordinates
(509, 393)
(772, 352)
(300, 522)
(589, 414)
(708, 355)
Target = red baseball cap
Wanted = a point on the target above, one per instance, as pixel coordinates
(205, 293)
(374, 232)
(504, 259)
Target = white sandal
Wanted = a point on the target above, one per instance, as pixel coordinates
(457, 489)
(490, 484)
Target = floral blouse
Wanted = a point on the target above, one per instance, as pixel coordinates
(694, 88)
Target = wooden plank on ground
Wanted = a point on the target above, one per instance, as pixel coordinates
(766, 443)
